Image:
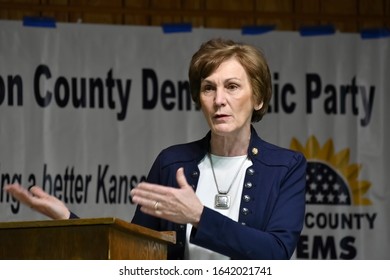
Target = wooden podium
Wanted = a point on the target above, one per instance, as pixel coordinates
(91, 239)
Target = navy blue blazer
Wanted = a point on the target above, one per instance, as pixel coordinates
(272, 202)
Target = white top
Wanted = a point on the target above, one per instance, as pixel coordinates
(225, 169)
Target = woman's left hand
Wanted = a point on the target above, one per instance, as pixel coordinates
(176, 205)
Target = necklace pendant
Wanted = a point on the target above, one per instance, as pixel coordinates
(222, 201)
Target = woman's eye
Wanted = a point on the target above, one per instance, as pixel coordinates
(207, 88)
(232, 87)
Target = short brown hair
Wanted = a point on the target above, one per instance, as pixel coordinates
(213, 52)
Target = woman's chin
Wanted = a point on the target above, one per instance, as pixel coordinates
(222, 129)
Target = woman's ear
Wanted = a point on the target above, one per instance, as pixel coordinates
(259, 106)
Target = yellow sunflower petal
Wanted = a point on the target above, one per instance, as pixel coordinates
(296, 146)
(351, 172)
(340, 159)
(327, 151)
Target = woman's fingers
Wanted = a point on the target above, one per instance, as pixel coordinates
(20, 193)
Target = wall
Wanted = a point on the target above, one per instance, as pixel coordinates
(345, 16)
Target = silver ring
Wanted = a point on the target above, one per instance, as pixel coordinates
(156, 205)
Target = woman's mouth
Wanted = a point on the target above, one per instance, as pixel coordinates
(220, 117)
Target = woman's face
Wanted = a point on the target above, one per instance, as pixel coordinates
(226, 99)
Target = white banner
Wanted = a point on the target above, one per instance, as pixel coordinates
(85, 109)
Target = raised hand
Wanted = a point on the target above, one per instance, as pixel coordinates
(176, 205)
(40, 201)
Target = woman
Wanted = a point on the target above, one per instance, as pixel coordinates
(230, 195)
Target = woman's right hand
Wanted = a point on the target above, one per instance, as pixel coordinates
(39, 200)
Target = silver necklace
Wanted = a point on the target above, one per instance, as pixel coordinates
(222, 199)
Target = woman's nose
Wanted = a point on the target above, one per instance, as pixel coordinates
(220, 97)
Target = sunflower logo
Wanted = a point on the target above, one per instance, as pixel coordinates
(330, 177)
